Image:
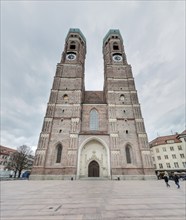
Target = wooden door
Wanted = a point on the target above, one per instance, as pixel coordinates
(93, 169)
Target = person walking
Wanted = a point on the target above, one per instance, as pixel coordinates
(176, 180)
(166, 178)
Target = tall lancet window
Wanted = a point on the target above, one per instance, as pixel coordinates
(128, 154)
(115, 46)
(94, 120)
(73, 45)
(58, 153)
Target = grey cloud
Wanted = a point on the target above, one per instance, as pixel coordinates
(170, 122)
(33, 36)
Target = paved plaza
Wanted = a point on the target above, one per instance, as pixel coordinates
(92, 200)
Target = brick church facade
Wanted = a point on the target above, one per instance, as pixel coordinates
(97, 134)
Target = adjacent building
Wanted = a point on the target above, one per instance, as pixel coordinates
(169, 152)
(5, 159)
(93, 133)
(5, 154)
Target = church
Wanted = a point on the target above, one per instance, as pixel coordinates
(93, 134)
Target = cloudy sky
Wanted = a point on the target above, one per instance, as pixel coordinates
(32, 40)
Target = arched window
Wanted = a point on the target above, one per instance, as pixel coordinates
(115, 46)
(122, 98)
(65, 97)
(128, 154)
(94, 120)
(58, 153)
(72, 45)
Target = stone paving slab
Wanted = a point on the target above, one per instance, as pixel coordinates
(92, 200)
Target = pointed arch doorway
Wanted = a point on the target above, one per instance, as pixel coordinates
(93, 149)
(93, 169)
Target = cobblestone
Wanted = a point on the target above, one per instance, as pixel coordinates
(92, 200)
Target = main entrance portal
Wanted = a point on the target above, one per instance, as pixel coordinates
(93, 159)
(93, 169)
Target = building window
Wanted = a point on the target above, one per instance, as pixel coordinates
(179, 147)
(122, 98)
(65, 97)
(128, 154)
(182, 155)
(115, 46)
(172, 148)
(94, 120)
(160, 165)
(164, 149)
(170, 141)
(73, 45)
(176, 165)
(166, 156)
(58, 153)
(168, 165)
(174, 156)
(157, 150)
(184, 164)
(159, 158)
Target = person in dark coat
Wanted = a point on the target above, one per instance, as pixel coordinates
(176, 180)
(166, 179)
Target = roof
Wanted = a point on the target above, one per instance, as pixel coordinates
(78, 31)
(94, 97)
(182, 135)
(184, 132)
(112, 32)
(6, 150)
(165, 140)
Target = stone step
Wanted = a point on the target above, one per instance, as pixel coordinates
(94, 178)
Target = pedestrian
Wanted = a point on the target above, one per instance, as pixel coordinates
(158, 175)
(176, 180)
(166, 178)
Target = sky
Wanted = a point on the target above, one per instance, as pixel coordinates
(32, 40)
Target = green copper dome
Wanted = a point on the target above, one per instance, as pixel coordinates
(112, 32)
(76, 30)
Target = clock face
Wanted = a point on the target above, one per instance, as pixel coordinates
(71, 56)
(117, 58)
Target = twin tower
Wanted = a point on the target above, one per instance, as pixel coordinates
(93, 134)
